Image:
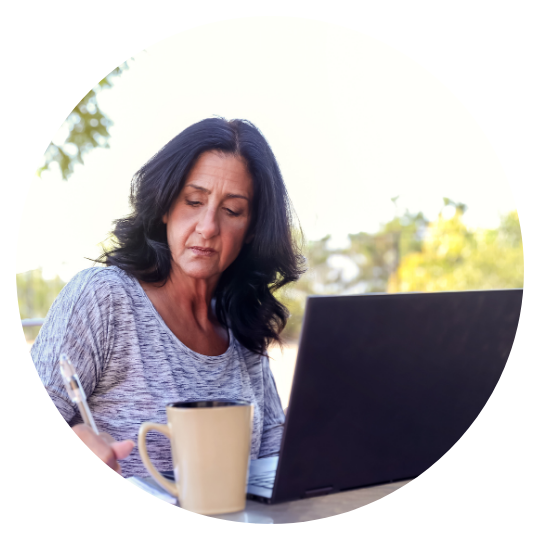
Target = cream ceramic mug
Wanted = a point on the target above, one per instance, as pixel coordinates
(210, 446)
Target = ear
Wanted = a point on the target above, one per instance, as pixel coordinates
(249, 238)
(165, 218)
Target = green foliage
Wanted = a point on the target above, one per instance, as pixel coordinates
(454, 258)
(88, 128)
(378, 255)
(35, 296)
(375, 256)
(411, 254)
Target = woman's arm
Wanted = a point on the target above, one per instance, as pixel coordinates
(78, 325)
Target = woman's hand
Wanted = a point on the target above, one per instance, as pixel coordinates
(104, 446)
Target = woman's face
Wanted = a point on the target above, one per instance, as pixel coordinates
(208, 223)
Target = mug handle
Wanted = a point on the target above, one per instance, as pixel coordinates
(159, 478)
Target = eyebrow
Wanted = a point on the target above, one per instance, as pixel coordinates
(228, 196)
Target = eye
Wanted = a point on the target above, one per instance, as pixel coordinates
(193, 203)
(232, 213)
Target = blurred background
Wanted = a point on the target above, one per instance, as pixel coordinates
(394, 185)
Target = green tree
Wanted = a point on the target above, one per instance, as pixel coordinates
(455, 258)
(375, 256)
(378, 255)
(88, 128)
(409, 253)
(35, 296)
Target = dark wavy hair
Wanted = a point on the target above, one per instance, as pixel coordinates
(244, 296)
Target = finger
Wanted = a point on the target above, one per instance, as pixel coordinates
(106, 437)
(97, 444)
(122, 449)
(82, 431)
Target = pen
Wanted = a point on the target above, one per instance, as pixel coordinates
(76, 391)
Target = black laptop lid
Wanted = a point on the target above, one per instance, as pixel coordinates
(385, 385)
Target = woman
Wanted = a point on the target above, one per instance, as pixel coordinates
(184, 308)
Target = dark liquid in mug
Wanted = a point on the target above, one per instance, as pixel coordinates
(206, 404)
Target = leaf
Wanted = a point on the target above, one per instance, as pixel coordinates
(88, 129)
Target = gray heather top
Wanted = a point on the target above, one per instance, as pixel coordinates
(131, 365)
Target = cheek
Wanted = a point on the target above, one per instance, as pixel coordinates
(235, 239)
(177, 233)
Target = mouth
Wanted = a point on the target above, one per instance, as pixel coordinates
(202, 251)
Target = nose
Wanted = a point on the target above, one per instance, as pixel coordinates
(208, 225)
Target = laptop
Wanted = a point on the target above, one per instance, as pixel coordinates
(384, 386)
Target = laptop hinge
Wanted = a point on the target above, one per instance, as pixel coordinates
(318, 491)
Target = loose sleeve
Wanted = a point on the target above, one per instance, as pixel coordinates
(78, 325)
(274, 418)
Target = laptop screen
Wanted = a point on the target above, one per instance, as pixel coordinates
(386, 384)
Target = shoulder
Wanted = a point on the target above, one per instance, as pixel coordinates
(93, 303)
(100, 278)
(97, 285)
(102, 275)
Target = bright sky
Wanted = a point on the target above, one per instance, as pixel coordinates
(351, 121)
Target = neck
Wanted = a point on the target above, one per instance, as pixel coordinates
(184, 303)
(191, 296)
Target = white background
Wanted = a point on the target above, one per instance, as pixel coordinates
(485, 53)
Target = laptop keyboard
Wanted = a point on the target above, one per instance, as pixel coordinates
(264, 480)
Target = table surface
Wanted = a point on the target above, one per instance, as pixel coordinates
(313, 508)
